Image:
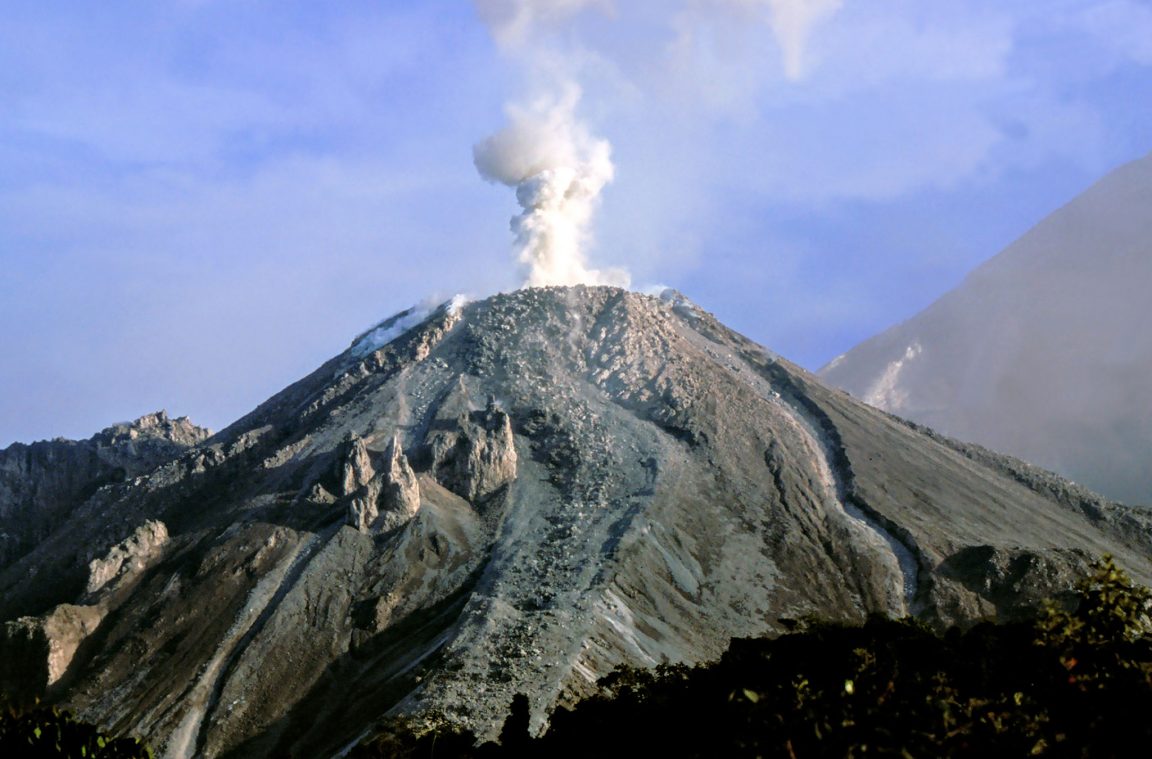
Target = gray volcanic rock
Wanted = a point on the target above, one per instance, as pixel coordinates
(128, 557)
(41, 483)
(400, 491)
(380, 500)
(474, 455)
(547, 484)
(1044, 351)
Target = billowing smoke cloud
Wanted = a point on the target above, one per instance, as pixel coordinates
(558, 170)
(547, 154)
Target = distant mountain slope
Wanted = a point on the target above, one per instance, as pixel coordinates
(513, 496)
(1045, 351)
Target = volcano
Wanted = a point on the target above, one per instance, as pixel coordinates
(514, 495)
(1042, 352)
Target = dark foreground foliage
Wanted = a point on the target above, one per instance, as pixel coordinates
(1075, 682)
(43, 731)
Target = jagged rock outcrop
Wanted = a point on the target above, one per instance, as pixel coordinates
(129, 557)
(39, 649)
(41, 483)
(386, 536)
(356, 470)
(399, 490)
(380, 499)
(358, 483)
(476, 455)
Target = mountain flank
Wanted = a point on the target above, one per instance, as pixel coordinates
(517, 495)
(1044, 351)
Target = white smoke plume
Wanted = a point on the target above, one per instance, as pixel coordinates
(791, 21)
(558, 170)
(547, 154)
(513, 22)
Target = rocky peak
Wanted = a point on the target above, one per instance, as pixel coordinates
(475, 455)
(356, 469)
(41, 483)
(158, 426)
(380, 496)
(399, 491)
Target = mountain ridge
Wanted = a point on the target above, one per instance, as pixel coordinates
(41, 482)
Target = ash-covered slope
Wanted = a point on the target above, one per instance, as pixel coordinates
(1043, 352)
(517, 495)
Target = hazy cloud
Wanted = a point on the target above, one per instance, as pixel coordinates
(515, 22)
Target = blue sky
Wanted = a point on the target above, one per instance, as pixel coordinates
(202, 200)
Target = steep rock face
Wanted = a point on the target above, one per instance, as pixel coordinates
(356, 470)
(517, 495)
(474, 455)
(38, 650)
(41, 483)
(399, 492)
(129, 557)
(384, 499)
(1043, 352)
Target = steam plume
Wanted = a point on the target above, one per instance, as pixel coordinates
(512, 22)
(556, 166)
(792, 22)
(558, 170)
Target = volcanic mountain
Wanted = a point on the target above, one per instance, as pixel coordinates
(1044, 351)
(516, 495)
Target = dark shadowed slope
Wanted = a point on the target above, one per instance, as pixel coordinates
(516, 495)
(1045, 351)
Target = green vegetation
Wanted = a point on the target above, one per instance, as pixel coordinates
(43, 731)
(1074, 682)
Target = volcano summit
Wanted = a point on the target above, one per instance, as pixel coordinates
(515, 495)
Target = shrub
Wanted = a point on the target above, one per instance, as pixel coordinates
(43, 731)
(1076, 681)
